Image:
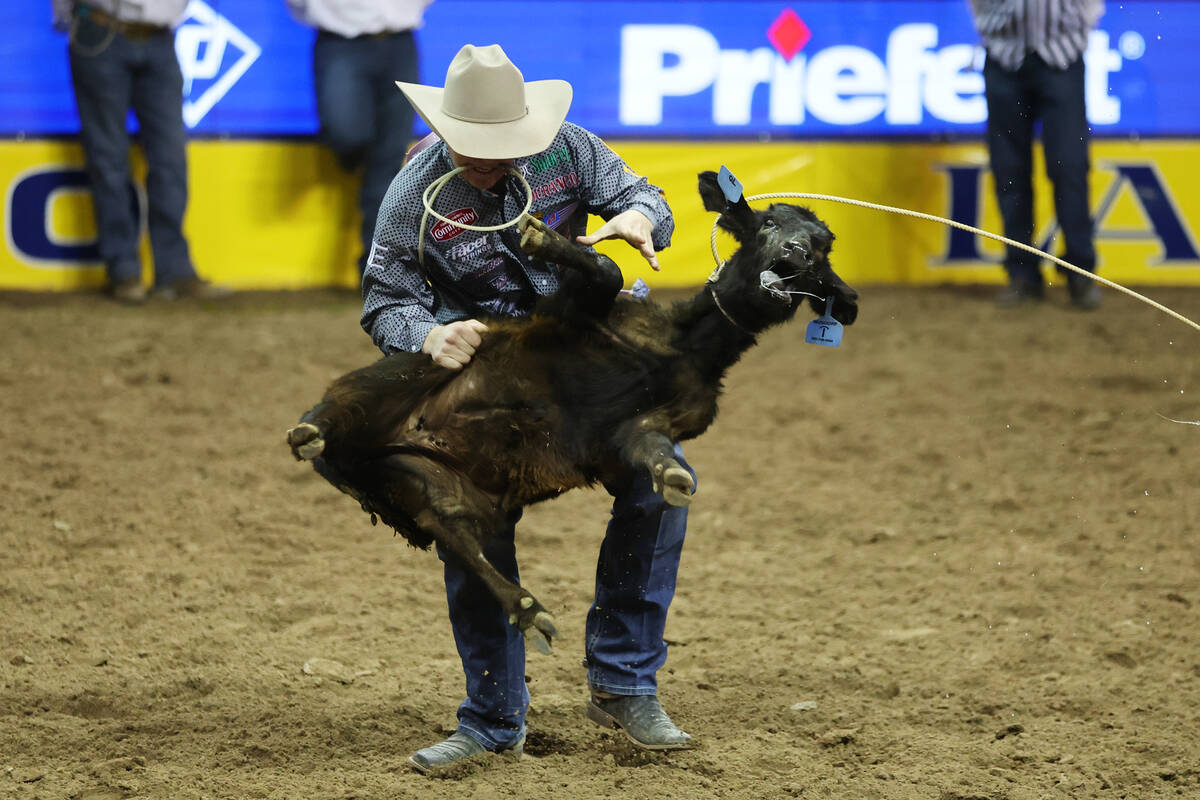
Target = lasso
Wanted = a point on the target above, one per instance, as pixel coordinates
(431, 192)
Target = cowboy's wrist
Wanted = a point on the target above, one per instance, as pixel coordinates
(645, 212)
(432, 340)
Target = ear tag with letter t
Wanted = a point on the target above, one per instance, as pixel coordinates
(730, 186)
(825, 330)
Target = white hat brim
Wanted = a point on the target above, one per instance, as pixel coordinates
(547, 103)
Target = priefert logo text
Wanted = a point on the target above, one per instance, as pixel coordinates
(839, 85)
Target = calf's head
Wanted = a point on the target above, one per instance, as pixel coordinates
(784, 251)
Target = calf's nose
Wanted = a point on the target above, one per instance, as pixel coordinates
(792, 249)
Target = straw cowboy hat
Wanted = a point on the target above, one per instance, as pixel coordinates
(487, 110)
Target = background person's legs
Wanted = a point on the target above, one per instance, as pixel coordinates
(343, 73)
(345, 100)
(1065, 141)
(157, 101)
(103, 86)
(1010, 148)
(394, 58)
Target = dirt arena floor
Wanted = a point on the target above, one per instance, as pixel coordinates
(954, 559)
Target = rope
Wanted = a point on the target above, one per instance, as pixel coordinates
(712, 290)
(962, 226)
(88, 52)
(431, 192)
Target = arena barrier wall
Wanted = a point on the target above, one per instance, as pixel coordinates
(280, 215)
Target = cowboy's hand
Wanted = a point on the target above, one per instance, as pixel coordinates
(452, 345)
(634, 227)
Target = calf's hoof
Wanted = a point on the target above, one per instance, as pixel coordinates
(535, 623)
(306, 442)
(541, 632)
(533, 234)
(537, 238)
(675, 483)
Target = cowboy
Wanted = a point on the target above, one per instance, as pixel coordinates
(427, 282)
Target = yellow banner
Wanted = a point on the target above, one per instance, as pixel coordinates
(281, 215)
(261, 215)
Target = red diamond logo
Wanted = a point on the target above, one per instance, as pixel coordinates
(788, 34)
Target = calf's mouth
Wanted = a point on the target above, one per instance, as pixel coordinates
(775, 285)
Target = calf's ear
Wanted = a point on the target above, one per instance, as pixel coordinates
(710, 192)
(737, 218)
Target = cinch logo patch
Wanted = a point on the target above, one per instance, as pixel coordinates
(444, 231)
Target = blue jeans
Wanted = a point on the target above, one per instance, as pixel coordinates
(1039, 91)
(365, 119)
(112, 73)
(624, 647)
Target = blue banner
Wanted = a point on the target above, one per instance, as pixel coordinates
(654, 69)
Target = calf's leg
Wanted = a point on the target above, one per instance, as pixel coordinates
(461, 518)
(644, 446)
(591, 282)
(460, 536)
(362, 409)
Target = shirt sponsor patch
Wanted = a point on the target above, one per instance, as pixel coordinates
(555, 186)
(559, 216)
(550, 158)
(444, 231)
(466, 249)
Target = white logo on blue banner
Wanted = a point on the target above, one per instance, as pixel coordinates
(202, 44)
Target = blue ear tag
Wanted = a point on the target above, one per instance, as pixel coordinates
(730, 185)
(825, 330)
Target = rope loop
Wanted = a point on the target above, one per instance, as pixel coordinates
(431, 192)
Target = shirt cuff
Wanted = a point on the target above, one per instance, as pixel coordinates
(400, 335)
(419, 331)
